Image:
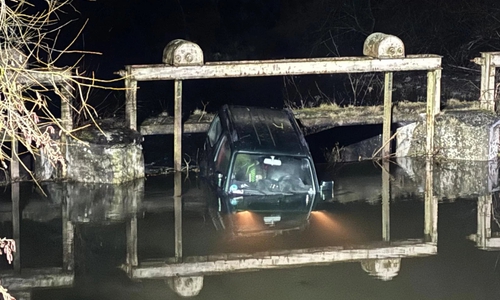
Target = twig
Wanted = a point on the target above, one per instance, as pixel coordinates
(385, 144)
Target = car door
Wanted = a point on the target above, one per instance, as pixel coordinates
(209, 147)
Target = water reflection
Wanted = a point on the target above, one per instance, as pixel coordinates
(21, 279)
(486, 237)
(381, 258)
(166, 231)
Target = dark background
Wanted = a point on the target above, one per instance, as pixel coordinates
(136, 31)
(127, 32)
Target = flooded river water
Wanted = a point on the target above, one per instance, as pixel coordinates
(405, 230)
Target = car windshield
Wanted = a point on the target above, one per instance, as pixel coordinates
(254, 174)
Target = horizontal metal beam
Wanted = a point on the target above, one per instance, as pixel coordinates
(238, 262)
(282, 67)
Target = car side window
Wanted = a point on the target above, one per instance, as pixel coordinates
(223, 156)
(214, 131)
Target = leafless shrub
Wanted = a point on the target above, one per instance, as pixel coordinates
(30, 78)
(9, 247)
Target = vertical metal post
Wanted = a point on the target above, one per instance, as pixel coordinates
(16, 224)
(67, 98)
(487, 99)
(68, 234)
(386, 200)
(178, 214)
(483, 220)
(178, 126)
(431, 204)
(130, 100)
(132, 259)
(386, 132)
(433, 106)
(14, 160)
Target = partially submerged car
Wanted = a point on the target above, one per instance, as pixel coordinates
(258, 162)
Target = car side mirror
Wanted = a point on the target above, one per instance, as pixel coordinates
(326, 190)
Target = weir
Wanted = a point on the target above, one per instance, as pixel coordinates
(183, 60)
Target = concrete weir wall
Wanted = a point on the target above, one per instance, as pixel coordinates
(459, 135)
(99, 163)
(109, 155)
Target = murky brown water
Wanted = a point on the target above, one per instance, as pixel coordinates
(380, 237)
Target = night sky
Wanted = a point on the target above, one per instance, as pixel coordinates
(136, 32)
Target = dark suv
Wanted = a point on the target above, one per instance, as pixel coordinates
(258, 161)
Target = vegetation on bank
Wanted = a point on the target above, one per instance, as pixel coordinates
(34, 82)
(7, 247)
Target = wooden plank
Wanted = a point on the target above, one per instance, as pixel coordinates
(294, 259)
(283, 67)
